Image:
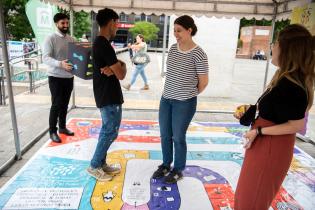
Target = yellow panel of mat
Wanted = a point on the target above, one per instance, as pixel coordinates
(107, 195)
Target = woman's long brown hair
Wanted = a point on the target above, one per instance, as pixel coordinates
(297, 59)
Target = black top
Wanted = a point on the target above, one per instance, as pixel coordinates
(286, 101)
(107, 90)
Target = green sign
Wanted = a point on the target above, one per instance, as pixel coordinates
(41, 16)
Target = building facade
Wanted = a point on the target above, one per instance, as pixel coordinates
(123, 36)
(254, 39)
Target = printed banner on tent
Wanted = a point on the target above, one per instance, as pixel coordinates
(40, 16)
(306, 16)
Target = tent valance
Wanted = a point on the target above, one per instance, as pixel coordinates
(219, 8)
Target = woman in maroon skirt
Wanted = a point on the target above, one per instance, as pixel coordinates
(281, 110)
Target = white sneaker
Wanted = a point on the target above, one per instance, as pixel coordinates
(99, 174)
(111, 169)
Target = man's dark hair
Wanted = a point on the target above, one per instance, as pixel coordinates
(60, 16)
(105, 15)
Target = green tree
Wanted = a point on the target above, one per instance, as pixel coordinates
(239, 43)
(17, 24)
(279, 26)
(147, 29)
(82, 23)
(254, 22)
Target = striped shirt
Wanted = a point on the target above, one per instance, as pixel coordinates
(182, 70)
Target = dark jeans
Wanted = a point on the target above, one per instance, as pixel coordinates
(174, 119)
(111, 118)
(60, 89)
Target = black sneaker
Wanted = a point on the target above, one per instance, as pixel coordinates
(66, 131)
(55, 138)
(173, 177)
(160, 172)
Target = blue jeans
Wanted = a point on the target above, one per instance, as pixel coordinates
(111, 118)
(174, 118)
(138, 70)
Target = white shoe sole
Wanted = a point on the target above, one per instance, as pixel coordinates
(114, 172)
(98, 179)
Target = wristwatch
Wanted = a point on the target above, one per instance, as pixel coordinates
(258, 131)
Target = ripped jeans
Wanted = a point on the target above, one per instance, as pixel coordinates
(111, 118)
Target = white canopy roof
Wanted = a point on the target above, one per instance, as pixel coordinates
(218, 8)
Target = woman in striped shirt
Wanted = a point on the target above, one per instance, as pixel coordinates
(186, 77)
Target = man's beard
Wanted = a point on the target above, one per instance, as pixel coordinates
(63, 30)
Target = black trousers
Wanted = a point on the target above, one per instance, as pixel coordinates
(60, 89)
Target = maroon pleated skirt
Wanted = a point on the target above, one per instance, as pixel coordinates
(264, 168)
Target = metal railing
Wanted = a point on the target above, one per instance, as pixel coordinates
(12, 62)
(31, 69)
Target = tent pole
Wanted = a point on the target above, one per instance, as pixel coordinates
(9, 83)
(94, 31)
(164, 45)
(275, 11)
(71, 33)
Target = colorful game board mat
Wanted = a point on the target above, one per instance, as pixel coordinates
(56, 178)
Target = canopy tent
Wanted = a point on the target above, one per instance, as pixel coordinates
(259, 9)
(219, 8)
(267, 9)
